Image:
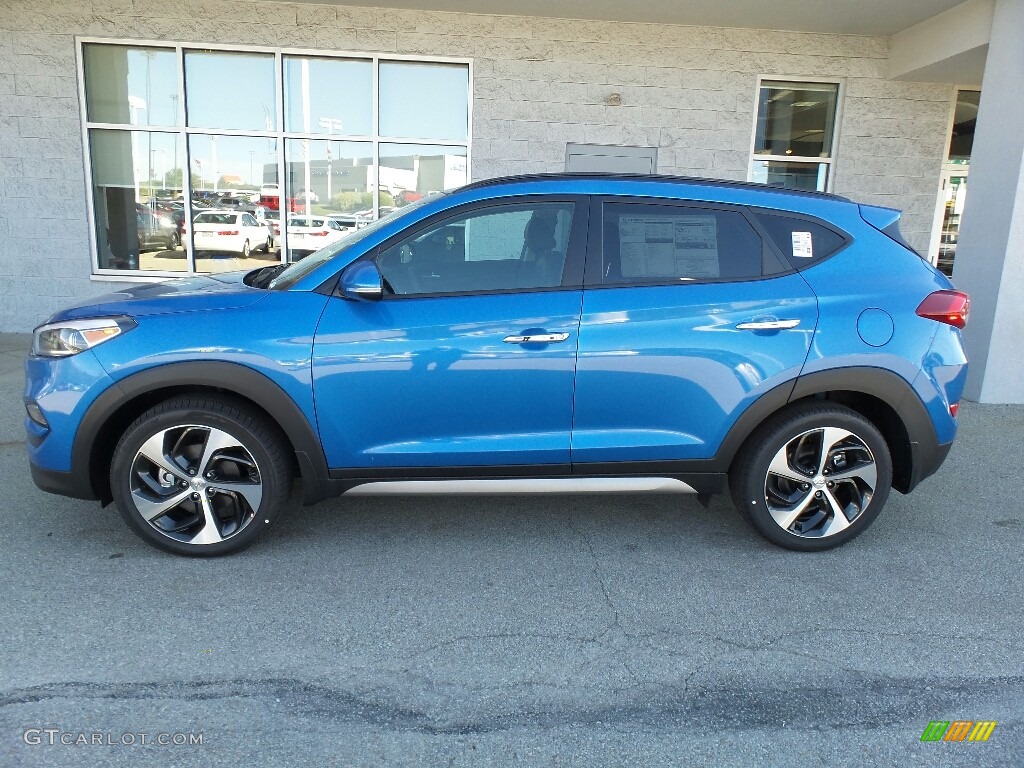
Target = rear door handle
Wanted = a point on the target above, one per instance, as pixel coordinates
(537, 338)
(768, 325)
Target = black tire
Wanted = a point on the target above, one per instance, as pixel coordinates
(257, 439)
(797, 431)
(245, 250)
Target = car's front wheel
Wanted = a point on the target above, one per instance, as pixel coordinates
(200, 476)
(245, 250)
(812, 477)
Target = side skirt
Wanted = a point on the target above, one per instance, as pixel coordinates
(523, 486)
(523, 479)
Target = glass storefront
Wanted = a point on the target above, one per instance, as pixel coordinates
(954, 177)
(209, 160)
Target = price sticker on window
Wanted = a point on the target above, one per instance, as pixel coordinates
(802, 246)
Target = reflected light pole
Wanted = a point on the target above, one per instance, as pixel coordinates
(134, 105)
(332, 125)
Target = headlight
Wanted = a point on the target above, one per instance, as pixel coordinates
(73, 336)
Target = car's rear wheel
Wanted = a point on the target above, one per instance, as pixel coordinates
(813, 477)
(200, 476)
(245, 250)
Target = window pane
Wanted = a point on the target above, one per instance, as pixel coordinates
(812, 177)
(424, 101)
(326, 180)
(504, 248)
(230, 176)
(233, 91)
(328, 95)
(664, 243)
(801, 241)
(137, 198)
(964, 118)
(131, 86)
(796, 119)
(411, 171)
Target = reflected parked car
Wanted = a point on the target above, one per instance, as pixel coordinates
(230, 232)
(157, 231)
(307, 234)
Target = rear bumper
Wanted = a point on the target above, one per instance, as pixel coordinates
(926, 461)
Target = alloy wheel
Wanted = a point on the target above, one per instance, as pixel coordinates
(196, 484)
(820, 482)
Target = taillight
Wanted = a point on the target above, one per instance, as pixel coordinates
(954, 409)
(950, 307)
(228, 232)
(318, 234)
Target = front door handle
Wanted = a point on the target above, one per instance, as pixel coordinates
(768, 325)
(537, 338)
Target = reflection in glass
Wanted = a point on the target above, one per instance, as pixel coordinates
(227, 90)
(424, 101)
(331, 96)
(131, 86)
(796, 119)
(232, 176)
(137, 200)
(332, 178)
(955, 190)
(964, 119)
(411, 171)
(791, 175)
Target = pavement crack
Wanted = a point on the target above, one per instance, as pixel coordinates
(598, 576)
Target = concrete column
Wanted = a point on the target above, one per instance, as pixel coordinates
(990, 255)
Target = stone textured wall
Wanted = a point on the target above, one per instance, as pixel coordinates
(538, 84)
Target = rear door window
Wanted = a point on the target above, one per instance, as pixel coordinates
(655, 243)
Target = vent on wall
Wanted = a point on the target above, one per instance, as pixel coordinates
(599, 158)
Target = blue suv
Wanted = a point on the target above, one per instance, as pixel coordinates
(552, 333)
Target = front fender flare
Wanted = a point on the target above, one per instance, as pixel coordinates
(231, 377)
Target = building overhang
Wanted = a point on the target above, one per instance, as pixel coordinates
(932, 40)
(863, 17)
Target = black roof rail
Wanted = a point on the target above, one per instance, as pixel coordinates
(656, 177)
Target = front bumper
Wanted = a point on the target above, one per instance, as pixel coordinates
(63, 389)
(73, 484)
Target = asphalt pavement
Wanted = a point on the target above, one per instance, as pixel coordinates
(492, 631)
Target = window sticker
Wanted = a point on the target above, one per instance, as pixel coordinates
(802, 245)
(668, 246)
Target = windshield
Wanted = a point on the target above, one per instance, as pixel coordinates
(300, 269)
(216, 218)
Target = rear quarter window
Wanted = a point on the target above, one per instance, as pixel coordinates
(803, 241)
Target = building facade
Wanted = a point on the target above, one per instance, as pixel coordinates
(121, 121)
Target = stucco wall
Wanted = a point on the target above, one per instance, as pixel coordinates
(539, 83)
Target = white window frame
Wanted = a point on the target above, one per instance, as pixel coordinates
(832, 159)
(183, 131)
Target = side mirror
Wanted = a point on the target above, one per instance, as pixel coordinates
(361, 280)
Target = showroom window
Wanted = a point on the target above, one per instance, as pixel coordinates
(173, 131)
(795, 134)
